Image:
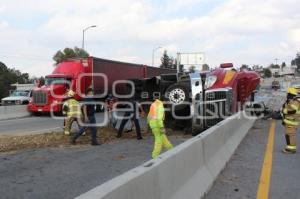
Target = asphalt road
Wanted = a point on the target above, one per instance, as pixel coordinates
(241, 177)
(29, 125)
(37, 125)
(70, 171)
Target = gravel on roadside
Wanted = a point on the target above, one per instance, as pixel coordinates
(58, 139)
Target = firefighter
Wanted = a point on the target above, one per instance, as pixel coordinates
(291, 113)
(155, 119)
(71, 108)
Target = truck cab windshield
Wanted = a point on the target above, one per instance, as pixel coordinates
(20, 93)
(55, 81)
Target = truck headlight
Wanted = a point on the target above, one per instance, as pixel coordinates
(210, 81)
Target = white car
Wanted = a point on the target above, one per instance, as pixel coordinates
(17, 97)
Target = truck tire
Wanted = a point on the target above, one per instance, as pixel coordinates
(178, 96)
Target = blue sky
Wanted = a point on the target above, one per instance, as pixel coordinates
(238, 31)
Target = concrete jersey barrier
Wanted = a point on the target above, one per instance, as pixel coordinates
(187, 171)
(11, 112)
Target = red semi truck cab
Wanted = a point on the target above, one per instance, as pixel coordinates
(66, 74)
(79, 74)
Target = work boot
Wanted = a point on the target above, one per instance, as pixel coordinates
(118, 136)
(286, 151)
(139, 138)
(95, 143)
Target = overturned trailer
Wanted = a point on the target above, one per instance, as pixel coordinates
(199, 100)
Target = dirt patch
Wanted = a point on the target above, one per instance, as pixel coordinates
(58, 139)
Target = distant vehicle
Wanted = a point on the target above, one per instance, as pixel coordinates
(275, 84)
(17, 97)
(20, 95)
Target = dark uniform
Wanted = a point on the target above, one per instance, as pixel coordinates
(132, 115)
(91, 124)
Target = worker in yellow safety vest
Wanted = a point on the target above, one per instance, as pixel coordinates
(72, 111)
(291, 113)
(155, 119)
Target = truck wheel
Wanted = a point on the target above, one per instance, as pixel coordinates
(178, 96)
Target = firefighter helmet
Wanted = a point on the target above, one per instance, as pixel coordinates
(70, 93)
(292, 91)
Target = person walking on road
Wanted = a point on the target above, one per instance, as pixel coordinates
(89, 119)
(155, 119)
(291, 114)
(132, 114)
(71, 109)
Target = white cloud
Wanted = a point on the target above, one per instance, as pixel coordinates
(294, 36)
(175, 5)
(239, 30)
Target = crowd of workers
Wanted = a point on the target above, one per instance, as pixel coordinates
(84, 114)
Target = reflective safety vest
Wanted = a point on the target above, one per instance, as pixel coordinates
(291, 113)
(73, 108)
(156, 114)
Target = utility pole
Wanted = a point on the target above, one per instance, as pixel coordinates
(153, 52)
(83, 32)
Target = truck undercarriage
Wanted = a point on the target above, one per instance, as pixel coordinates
(188, 104)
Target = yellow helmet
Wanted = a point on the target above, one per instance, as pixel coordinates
(292, 91)
(70, 93)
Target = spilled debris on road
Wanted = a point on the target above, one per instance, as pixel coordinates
(58, 139)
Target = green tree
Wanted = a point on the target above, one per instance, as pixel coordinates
(167, 61)
(69, 53)
(283, 64)
(296, 61)
(205, 67)
(10, 76)
(267, 73)
(293, 62)
(244, 67)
